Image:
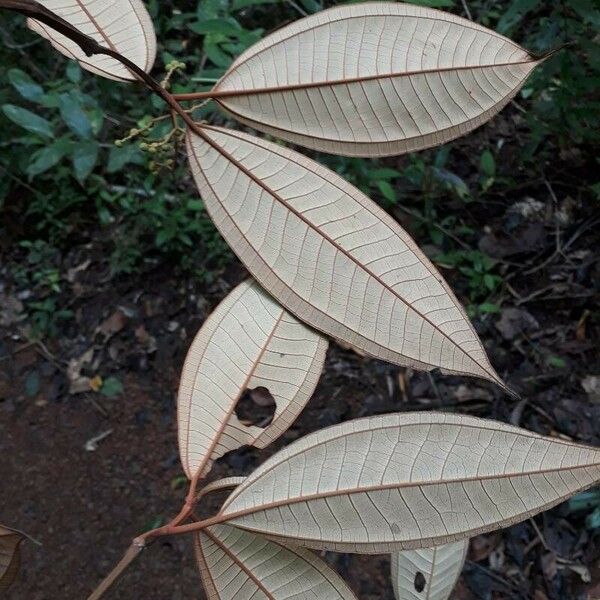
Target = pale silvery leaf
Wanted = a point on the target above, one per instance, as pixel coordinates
(330, 255)
(406, 481)
(219, 485)
(428, 573)
(374, 79)
(239, 565)
(249, 341)
(121, 25)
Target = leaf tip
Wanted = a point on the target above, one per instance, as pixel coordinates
(495, 378)
(543, 56)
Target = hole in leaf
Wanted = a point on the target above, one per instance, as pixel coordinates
(420, 582)
(256, 407)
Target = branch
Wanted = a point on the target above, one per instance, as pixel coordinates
(37, 11)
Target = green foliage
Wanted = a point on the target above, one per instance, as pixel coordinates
(28, 120)
(587, 502)
(562, 93)
(557, 362)
(67, 130)
(46, 318)
(68, 178)
(25, 86)
(479, 270)
(111, 386)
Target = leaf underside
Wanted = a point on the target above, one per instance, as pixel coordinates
(439, 569)
(249, 341)
(369, 79)
(331, 256)
(220, 485)
(374, 79)
(239, 565)
(10, 556)
(121, 25)
(406, 481)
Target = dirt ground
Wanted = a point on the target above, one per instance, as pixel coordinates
(83, 473)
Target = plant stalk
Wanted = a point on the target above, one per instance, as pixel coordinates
(129, 556)
(140, 543)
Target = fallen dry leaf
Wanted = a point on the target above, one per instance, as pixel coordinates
(514, 322)
(549, 566)
(10, 556)
(95, 383)
(483, 545)
(79, 383)
(92, 444)
(591, 385)
(144, 338)
(464, 393)
(113, 324)
(72, 273)
(581, 570)
(11, 310)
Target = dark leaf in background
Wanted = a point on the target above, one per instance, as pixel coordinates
(49, 156)
(85, 155)
(111, 386)
(26, 87)
(74, 116)
(28, 120)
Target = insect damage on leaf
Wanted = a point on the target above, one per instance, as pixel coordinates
(428, 573)
(248, 342)
(256, 407)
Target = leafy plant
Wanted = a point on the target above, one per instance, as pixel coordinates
(479, 270)
(330, 262)
(126, 202)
